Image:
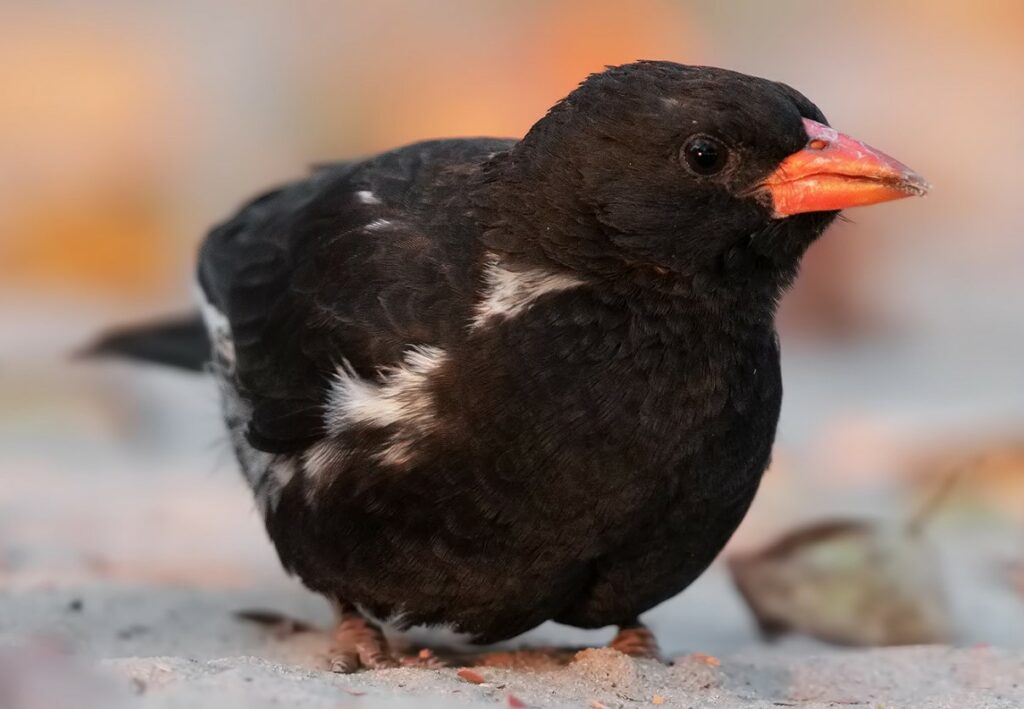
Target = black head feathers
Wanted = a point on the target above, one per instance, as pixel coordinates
(654, 166)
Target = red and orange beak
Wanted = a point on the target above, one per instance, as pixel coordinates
(834, 171)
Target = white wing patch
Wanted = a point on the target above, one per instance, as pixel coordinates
(402, 400)
(266, 473)
(219, 329)
(317, 464)
(509, 293)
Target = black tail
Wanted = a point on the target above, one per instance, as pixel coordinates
(181, 342)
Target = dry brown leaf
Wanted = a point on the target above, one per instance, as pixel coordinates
(657, 699)
(848, 583)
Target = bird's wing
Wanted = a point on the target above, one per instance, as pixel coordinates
(351, 267)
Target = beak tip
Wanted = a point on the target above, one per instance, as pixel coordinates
(914, 185)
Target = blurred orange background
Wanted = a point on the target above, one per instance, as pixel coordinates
(127, 128)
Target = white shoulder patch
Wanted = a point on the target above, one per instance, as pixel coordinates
(402, 399)
(508, 293)
(367, 197)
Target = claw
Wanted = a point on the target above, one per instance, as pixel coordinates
(343, 661)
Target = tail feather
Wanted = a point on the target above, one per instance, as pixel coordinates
(180, 342)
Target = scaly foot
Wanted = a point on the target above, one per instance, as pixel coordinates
(636, 640)
(358, 644)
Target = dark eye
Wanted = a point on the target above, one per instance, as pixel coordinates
(705, 155)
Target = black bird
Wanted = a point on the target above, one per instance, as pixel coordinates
(488, 383)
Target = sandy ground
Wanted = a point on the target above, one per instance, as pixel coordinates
(128, 544)
(160, 647)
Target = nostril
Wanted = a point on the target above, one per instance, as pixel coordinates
(818, 144)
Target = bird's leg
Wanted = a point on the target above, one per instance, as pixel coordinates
(636, 640)
(358, 643)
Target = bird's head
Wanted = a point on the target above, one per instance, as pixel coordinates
(695, 172)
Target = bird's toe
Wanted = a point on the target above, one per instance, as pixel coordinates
(376, 656)
(343, 660)
(636, 640)
(359, 644)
